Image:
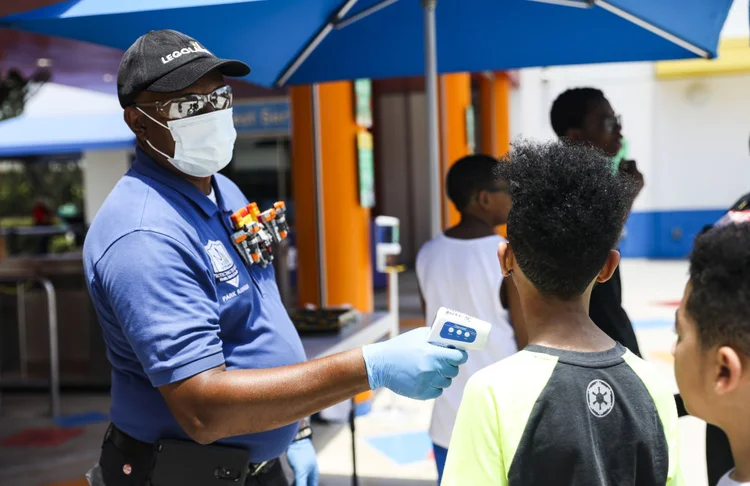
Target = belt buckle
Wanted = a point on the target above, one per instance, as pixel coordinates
(256, 469)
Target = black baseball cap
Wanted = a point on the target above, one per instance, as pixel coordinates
(165, 61)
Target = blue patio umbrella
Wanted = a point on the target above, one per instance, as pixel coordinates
(308, 41)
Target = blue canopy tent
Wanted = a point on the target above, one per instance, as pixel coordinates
(308, 41)
(26, 135)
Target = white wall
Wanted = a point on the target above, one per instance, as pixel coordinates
(101, 171)
(737, 21)
(701, 142)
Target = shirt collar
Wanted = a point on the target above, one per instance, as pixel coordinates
(145, 165)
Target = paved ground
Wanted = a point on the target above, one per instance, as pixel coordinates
(392, 444)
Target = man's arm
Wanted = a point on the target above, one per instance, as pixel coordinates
(165, 304)
(218, 403)
(511, 300)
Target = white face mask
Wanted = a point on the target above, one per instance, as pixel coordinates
(203, 144)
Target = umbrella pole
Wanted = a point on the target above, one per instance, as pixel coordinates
(431, 92)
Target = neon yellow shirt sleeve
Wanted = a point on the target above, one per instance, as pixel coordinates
(492, 417)
(474, 454)
(667, 409)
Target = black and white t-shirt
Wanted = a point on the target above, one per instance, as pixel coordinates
(548, 417)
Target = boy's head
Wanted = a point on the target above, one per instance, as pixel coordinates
(584, 115)
(476, 189)
(567, 216)
(712, 352)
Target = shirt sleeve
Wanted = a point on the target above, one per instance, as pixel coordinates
(474, 455)
(666, 407)
(668, 412)
(164, 299)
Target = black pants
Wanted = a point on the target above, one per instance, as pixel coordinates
(110, 476)
(125, 461)
(274, 477)
(718, 453)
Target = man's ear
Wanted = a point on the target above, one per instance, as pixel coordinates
(613, 259)
(574, 134)
(136, 121)
(507, 258)
(729, 369)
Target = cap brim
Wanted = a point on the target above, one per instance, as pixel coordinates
(187, 74)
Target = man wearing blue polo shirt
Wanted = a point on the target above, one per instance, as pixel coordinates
(210, 381)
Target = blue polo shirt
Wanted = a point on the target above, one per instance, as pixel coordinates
(175, 299)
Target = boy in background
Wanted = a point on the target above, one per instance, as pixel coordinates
(459, 270)
(574, 407)
(712, 353)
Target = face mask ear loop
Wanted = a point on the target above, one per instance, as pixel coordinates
(149, 141)
(157, 150)
(152, 118)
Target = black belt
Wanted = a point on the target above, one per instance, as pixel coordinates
(141, 450)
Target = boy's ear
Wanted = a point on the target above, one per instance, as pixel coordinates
(613, 259)
(729, 368)
(483, 198)
(507, 258)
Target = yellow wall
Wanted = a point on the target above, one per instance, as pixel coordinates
(733, 58)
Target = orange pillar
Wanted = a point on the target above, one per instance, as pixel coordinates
(345, 269)
(455, 99)
(494, 97)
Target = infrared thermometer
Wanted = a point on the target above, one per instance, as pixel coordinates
(453, 328)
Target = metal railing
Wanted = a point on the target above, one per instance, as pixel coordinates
(54, 356)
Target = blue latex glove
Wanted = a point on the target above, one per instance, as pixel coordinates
(301, 456)
(412, 367)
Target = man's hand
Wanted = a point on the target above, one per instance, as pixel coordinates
(302, 458)
(628, 168)
(412, 367)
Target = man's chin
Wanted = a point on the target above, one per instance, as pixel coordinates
(613, 150)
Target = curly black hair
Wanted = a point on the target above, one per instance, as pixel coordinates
(568, 211)
(469, 175)
(719, 299)
(571, 107)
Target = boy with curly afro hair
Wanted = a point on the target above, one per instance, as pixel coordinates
(574, 407)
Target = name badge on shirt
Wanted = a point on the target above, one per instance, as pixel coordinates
(224, 268)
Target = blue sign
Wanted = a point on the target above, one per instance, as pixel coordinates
(262, 117)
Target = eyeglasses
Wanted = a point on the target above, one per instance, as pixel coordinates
(612, 122)
(192, 104)
(498, 189)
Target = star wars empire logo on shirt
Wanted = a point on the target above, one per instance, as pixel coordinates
(224, 268)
